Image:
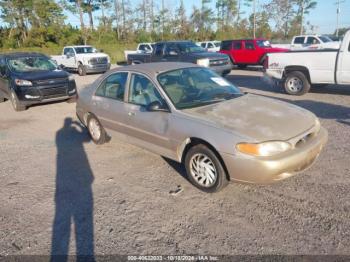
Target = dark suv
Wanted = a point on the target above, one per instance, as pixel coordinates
(33, 78)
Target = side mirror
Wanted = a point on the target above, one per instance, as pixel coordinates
(156, 106)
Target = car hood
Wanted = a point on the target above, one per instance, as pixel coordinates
(260, 118)
(93, 55)
(210, 55)
(42, 75)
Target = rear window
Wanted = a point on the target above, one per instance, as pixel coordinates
(299, 40)
(226, 45)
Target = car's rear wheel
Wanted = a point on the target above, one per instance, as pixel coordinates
(96, 130)
(16, 104)
(296, 83)
(81, 70)
(204, 169)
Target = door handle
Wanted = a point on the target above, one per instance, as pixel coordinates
(131, 113)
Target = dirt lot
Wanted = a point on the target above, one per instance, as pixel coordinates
(121, 202)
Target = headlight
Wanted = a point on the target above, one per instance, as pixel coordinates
(203, 62)
(71, 78)
(21, 82)
(264, 149)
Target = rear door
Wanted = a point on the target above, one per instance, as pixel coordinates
(108, 102)
(343, 73)
(171, 53)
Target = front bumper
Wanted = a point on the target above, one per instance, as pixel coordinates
(97, 68)
(42, 94)
(263, 170)
(223, 69)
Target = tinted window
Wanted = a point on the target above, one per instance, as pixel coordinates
(249, 45)
(172, 47)
(299, 40)
(203, 45)
(210, 45)
(142, 91)
(263, 43)
(226, 45)
(159, 49)
(237, 45)
(312, 40)
(68, 50)
(84, 50)
(113, 87)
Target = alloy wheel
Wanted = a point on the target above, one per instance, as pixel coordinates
(95, 129)
(203, 170)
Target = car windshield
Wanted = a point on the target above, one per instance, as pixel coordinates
(325, 39)
(263, 43)
(85, 50)
(35, 63)
(189, 47)
(196, 86)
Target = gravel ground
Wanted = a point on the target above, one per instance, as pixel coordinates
(121, 202)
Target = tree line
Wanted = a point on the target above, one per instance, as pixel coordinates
(43, 23)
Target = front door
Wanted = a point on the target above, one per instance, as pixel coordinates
(147, 129)
(108, 102)
(343, 74)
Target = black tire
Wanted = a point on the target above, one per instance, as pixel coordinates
(81, 70)
(220, 180)
(296, 83)
(97, 139)
(16, 104)
(2, 99)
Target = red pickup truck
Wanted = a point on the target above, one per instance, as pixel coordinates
(245, 52)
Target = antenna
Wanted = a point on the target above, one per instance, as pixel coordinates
(338, 14)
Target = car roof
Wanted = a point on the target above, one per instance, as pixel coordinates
(21, 54)
(154, 68)
(78, 46)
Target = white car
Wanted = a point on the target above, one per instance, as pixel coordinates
(313, 42)
(211, 46)
(141, 48)
(84, 59)
(298, 70)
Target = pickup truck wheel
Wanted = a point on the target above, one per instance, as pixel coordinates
(296, 83)
(204, 169)
(81, 70)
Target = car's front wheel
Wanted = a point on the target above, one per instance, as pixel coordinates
(16, 104)
(204, 169)
(81, 70)
(96, 130)
(296, 83)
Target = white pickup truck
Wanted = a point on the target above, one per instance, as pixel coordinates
(84, 59)
(298, 70)
(313, 42)
(141, 48)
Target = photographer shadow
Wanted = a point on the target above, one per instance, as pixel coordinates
(73, 196)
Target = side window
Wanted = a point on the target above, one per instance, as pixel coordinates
(203, 45)
(66, 51)
(237, 45)
(142, 91)
(159, 49)
(249, 46)
(312, 40)
(172, 47)
(2, 66)
(113, 87)
(299, 40)
(142, 48)
(226, 45)
(210, 45)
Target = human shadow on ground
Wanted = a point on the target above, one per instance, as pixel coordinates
(73, 197)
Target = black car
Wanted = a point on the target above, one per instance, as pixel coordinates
(184, 51)
(33, 78)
